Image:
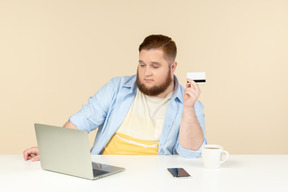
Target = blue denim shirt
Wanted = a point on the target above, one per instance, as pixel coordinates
(107, 109)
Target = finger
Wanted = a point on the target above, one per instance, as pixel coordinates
(31, 152)
(195, 85)
(192, 85)
(26, 155)
(35, 158)
(188, 84)
(192, 93)
(193, 88)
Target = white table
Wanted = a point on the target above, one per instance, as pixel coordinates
(149, 173)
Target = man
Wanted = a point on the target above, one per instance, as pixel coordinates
(148, 113)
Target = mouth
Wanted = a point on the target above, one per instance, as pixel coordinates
(148, 80)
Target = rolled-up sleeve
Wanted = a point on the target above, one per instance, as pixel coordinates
(79, 120)
(94, 113)
(189, 153)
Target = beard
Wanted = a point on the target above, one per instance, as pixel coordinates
(157, 89)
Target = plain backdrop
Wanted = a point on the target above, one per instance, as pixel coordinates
(55, 54)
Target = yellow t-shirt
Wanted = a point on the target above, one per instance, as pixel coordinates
(140, 132)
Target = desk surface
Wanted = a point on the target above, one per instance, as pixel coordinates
(149, 173)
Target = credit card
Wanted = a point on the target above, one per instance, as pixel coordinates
(198, 77)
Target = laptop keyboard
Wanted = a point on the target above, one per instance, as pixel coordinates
(98, 172)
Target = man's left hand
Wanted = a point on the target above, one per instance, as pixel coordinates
(191, 93)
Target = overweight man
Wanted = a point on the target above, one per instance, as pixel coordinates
(148, 113)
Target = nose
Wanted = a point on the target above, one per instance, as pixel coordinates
(148, 71)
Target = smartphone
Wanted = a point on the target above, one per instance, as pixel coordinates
(178, 172)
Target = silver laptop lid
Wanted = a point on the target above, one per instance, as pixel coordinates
(67, 151)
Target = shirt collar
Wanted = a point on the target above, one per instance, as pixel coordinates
(178, 91)
(131, 84)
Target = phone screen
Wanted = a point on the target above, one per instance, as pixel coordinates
(178, 172)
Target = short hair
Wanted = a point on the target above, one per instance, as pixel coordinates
(163, 42)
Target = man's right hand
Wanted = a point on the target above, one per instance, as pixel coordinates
(31, 154)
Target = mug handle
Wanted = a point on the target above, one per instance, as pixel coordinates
(226, 154)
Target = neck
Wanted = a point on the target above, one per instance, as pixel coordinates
(169, 89)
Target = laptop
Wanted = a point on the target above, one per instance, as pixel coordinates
(66, 151)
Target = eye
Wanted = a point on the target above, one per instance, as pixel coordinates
(141, 64)
(155, 67)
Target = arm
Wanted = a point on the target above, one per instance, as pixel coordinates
(69, 125)
(89, 117)
(33, 152)
(191, 135)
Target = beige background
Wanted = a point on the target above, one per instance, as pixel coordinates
(55, 54)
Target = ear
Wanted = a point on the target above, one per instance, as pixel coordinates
(173, 67)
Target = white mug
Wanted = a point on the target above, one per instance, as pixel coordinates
(212, 156)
